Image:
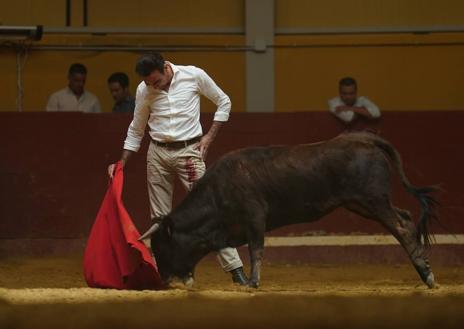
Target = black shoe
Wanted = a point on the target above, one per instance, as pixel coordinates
(238, 276)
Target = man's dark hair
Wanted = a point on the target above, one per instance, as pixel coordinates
(148, 63)
(347, 81)
(119, 77)
(77, 68)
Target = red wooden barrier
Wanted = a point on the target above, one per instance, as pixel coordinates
(53, 166)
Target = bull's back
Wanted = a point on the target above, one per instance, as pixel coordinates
(330, 162)
(301, 182)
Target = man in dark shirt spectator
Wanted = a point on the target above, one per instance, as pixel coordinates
(118, 83)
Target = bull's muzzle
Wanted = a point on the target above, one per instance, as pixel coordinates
(175, 282)
(188, 281)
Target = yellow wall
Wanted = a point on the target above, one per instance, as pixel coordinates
(33, 12)
(368, 13)
(229, 13)
(397, 71)
(162, 13)
(389, 68)
(127, 13)
(46, 71)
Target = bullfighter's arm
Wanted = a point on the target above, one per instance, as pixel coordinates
(210, 89)
(136, 128)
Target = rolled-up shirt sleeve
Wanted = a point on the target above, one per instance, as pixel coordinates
(210, 90)
(333, 103)
(136, 129)
(370, 107)
(345, 116)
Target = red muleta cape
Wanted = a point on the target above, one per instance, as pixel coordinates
(114, 258)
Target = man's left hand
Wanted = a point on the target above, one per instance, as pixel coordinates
(207, 139)
(204, 145)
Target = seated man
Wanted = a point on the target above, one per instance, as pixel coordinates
(74, 98)
(118, 83)
(347, 106)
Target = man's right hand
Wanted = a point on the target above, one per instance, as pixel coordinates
(111, 169)
(126, 154)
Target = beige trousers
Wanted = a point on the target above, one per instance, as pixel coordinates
(163, 165)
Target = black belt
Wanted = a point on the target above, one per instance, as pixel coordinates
(177, 144)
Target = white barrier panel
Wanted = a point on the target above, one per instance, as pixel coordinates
(352, 240)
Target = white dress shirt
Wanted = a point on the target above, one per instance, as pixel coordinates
(64, 100)
(175, 115)
(348, 116)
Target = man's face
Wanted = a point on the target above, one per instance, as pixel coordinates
(117, 91)
(76, 83)
(348, 94)
(158, 80)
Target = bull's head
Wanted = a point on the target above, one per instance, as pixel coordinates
(173, 250)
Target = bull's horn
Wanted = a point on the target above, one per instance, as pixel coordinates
(150, 231)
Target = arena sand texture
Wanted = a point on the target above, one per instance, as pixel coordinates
(51, 293)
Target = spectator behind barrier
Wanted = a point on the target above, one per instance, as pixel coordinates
(74, 98)
(118, 83)
(348, 106)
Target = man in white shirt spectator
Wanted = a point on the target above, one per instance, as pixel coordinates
(74, 98)
(348, 106)
(168, 100)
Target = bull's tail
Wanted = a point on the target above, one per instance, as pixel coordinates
(428, 203)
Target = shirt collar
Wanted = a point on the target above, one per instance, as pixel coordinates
(175, 70)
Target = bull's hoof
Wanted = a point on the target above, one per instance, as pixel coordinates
(253, 284)
(430, 281)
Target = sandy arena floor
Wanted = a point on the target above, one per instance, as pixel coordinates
(51, 293)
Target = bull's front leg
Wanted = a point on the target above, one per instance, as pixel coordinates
(256, 243)
(256, 259)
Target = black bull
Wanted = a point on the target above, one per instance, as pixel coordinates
(254, 190)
